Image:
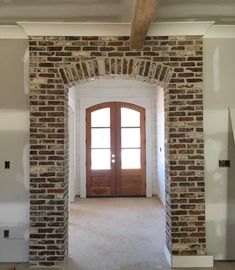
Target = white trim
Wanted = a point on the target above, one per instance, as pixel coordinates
(112, 29)
(188, 261)
(12, 32)
(72, 184)
(179, 28)
(221, 31)
(232, 117)
(192, 261)
(88, 102)
(25, 29)
(75, 29)
(82, 148)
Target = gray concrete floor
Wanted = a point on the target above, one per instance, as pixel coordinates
(117, 234)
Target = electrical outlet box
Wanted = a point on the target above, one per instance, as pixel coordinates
(6, 233)
(7, 165)
(224, 163)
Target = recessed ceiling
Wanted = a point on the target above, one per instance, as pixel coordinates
(114, 11)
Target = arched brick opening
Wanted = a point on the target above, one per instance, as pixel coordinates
(51, 76)
(132, 68)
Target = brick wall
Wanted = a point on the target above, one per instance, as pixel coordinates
(49, 134)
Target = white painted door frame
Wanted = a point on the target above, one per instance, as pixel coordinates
(88, 102)
(72, 183)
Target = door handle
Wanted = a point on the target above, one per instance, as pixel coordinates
(113, 160)
(113, 155)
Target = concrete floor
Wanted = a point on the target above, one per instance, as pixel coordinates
(118, 234)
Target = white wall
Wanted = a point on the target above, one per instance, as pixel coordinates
(160, 145)
(71, 127)
(14, 141)
(99, 91)
(219, 95)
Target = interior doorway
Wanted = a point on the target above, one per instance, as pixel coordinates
(101, 107)
(115, 150)
(141, 94)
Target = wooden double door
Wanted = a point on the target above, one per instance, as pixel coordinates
(115, 150)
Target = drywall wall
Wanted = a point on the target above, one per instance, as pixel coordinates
(219, 95)
(99, 91)
(14, 135)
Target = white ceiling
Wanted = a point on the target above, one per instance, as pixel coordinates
(115, 11)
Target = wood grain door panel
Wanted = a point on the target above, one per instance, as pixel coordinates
(126, 175)
(100, 184)
(132, 183)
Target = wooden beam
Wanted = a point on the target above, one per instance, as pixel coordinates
(144, 12)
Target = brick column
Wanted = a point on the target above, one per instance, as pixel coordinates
(185, 151)
(48, 159)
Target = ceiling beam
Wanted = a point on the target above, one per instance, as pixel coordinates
(143, 15)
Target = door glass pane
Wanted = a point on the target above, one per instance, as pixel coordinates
(130, 159)
(130, 118)
(130, 137)
(100, 159)
(100, 138)
(100, 118)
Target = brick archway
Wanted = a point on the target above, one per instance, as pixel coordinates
(131, 68)
(173, 63)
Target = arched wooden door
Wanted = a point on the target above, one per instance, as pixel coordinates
(115, 150)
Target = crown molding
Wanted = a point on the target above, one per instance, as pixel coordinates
(75, 29)
(25, 29)
(221, 31)
(112, 29)
(179, 28)
(12, 32)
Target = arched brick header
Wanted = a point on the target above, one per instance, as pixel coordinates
(134, 68)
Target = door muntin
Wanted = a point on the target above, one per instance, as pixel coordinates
(116, 150)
